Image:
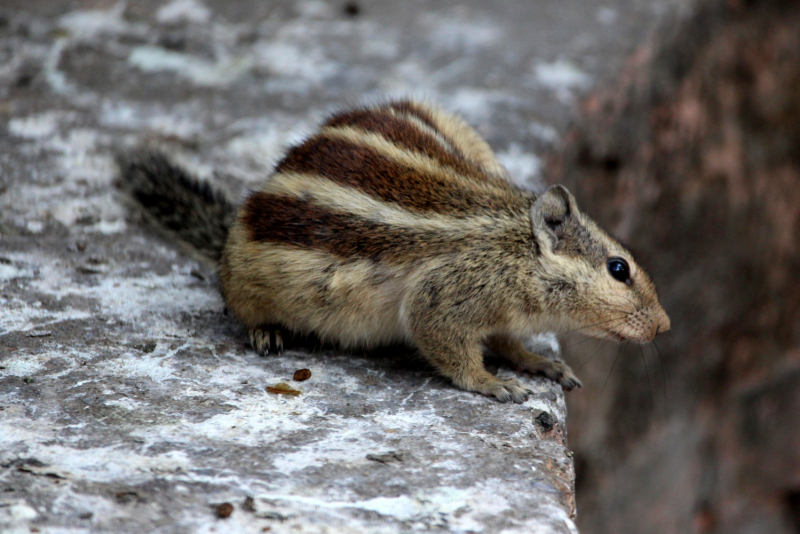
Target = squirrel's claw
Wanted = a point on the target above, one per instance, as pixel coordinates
(266, 340)
(508, 390)
(260, 341)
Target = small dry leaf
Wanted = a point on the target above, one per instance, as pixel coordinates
(282, 389)
(302, 374)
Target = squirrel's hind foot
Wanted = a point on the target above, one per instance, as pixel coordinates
(266, 340)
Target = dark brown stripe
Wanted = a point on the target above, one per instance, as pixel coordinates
(300, 223)
(363, 168)
(413, 109)
(406, 135)
(407, 106)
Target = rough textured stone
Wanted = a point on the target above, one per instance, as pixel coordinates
(694, 160)
(128, 400)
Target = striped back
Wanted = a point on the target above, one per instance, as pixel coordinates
(393, 182)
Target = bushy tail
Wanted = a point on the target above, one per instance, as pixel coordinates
(178, 203)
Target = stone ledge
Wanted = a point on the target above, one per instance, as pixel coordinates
(128, 400)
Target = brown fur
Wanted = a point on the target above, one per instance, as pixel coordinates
(402, 133)
(396, 223)
(300, 223)
(361, 167)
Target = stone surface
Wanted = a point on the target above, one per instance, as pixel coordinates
(128, 400)
(693, 158)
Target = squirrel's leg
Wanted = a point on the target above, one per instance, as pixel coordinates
(458, 355)
(448, 329)
(462, 362)
(522, 359)
(266, 339)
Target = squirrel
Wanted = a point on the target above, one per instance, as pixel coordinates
(396, 223)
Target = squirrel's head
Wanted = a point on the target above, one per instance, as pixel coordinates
(589, 280)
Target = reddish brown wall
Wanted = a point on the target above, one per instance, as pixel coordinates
(693, 159)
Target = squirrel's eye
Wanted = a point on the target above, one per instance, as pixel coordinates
(618, 268)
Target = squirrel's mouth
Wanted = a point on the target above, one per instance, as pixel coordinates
(609, 335)
(619, 338)
(620, 335)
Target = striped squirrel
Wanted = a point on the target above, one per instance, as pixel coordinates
(396, 223)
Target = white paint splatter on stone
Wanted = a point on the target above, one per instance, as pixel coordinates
(183, 11)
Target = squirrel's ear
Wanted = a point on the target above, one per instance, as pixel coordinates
(551, 211)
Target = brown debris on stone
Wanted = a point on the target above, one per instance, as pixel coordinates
(301, 375)
(224, 510)
(282, 388)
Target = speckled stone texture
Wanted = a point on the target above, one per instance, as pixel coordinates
(128, 401)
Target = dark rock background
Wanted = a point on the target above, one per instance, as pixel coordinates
(693, 159)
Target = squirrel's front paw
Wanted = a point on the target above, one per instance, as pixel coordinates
(506, 390)
(555, 370)
(562, 373)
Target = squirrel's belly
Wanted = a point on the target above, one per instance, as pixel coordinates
(352, 302)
